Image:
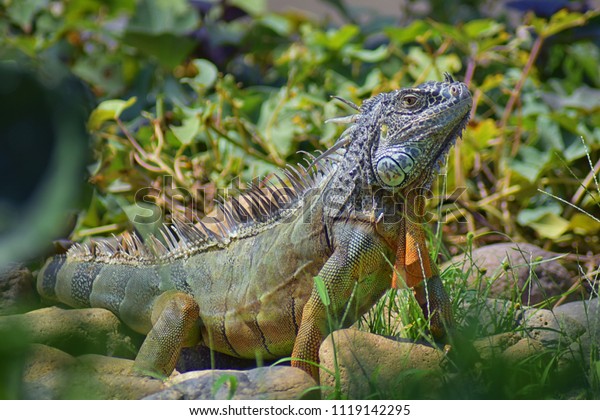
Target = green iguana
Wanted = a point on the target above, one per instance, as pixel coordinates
(245, 285)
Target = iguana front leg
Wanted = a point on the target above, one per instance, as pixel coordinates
(175, 317)
(359, 254)
(419, 272)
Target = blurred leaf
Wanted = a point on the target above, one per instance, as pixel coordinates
(410, 33)
(544, 220)
(156, 17)
(206, 77)
(108, 110)
(278, 24)
(584, 98)
(22, 11)
(169, 49)
(582, 224)
(367, 56)
(252, 7)
(187, 131)
(530, 162)
(560, 21)
(482, 28)
(335, 39)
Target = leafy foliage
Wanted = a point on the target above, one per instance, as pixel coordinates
(191, 97)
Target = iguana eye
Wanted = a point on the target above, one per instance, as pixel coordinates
(409, 100)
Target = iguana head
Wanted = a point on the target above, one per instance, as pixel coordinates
(416, 128)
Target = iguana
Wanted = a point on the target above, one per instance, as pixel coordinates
(245, 285)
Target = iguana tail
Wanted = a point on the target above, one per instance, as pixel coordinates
(126, 289)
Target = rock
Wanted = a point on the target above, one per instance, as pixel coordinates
(515, 269)
(77, 331)
(521, 350)
(265, 383)
(17, 292)
(493, 346)
(50, 373)
(45, 373)
(544, 326)
(111, 378)
(587, 314)
(370, 365)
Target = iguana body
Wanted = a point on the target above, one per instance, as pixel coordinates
(249, 290)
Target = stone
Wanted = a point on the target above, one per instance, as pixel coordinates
(369, 365)
(514, 269)
(111, 378)
(17, 291)
(544, 326)
(45, 373)
(77, 331)
(586, 313)
(50, 373)
(493, 346)
(264, 383)
(521, 350)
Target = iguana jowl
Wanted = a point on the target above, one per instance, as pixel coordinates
(245, 286)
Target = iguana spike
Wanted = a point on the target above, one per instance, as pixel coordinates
(293, 180)
(227, 213)
(170, 240)
(255, 209)
(157, 246)
(343, 141)
(289, 192)
(347, 102)
(348, 119)
(261, 200)
(239, 211)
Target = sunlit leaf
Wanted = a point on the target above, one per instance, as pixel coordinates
(108, 110)
(187, 131)
(403, 35)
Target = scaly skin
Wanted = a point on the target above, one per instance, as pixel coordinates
(355, 221)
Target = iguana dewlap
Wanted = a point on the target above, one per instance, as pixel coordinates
(249, 290)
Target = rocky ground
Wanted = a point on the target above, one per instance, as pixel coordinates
(87, 353)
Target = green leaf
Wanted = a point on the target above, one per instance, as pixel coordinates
(322, 291)
(545, 220)
(583, 224)
(252, 7)
(482, 28)
(22, 11)
(527, 216)
(169, 49)
(530, 162)
(186, 132)
(560, 21)
(335, 39)
(550, 226)
(410, 33)
(175, 17)
(108, 110)
(206, 77)
(367, 56)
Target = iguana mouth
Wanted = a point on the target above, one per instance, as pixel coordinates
(454, 134)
